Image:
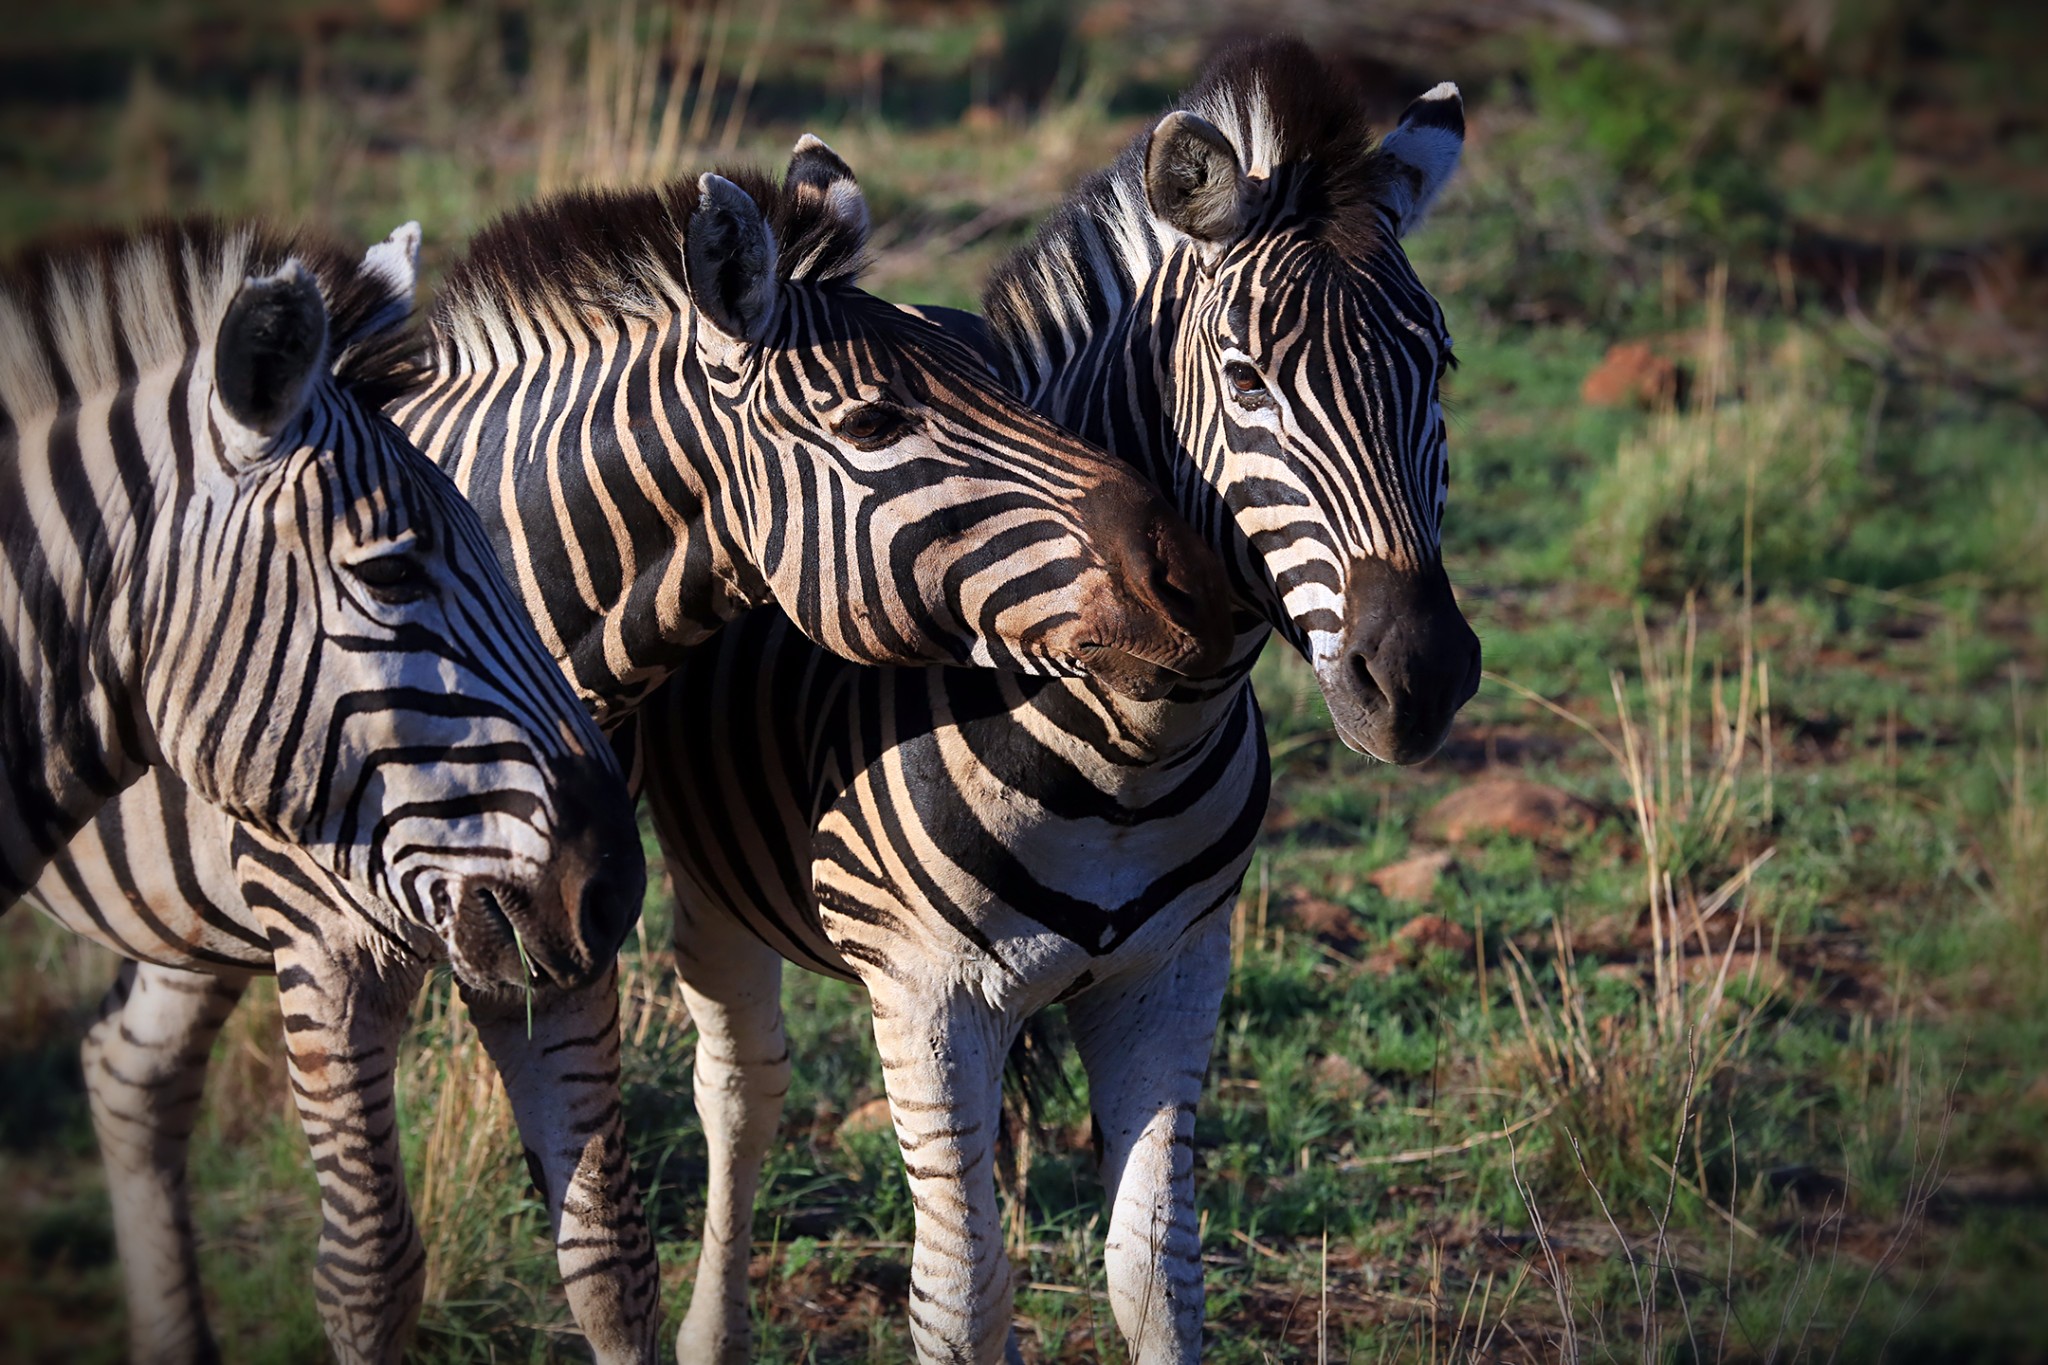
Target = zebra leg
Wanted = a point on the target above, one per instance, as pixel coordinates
(562, 1076)
(145, 1070)
(942, 1061)
(732, 983)
(1145, 1044)
(344, 1010)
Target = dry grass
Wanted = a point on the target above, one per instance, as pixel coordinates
(1760, 428)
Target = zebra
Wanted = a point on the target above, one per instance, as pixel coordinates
(225, 567)
(1228, 307)
(669, 406)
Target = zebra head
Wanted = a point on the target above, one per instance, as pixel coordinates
(1302, 376)
(940, 517)
(295, 611)
(858, 467)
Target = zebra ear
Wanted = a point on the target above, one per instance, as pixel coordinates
(816, 171)
(271, 348)
(1424, 148)
(1195, 183)
(395, 262)
(730, 260)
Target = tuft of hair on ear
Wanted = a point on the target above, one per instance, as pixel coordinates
(729, 260)
(271, 347)
(1423, 151)
(816, 172)
(1308, 117)
(1194, 179)
(379, 354)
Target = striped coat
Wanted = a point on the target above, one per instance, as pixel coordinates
(668, 406)
(1229, 309)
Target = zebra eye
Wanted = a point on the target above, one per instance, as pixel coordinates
(393, 579)
(1247, 386)
(874, 425)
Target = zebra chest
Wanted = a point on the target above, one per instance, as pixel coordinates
(1034, 859)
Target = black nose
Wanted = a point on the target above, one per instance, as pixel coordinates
(1410, 661)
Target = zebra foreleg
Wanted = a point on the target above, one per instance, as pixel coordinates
(732, 983)
(145, 1070)
(942, 1061)
(344, 1010)
(561, 1071)
(1145, 1045)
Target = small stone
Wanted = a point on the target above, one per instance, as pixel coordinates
(1339, 1076)
(1414, 877)
(1641, 373)
(1326, 919)
(1507, 805)
(872, 1117)
(1434, 931)
(1746, 971)
(1416, 937)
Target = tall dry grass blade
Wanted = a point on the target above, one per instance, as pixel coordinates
(749, 73)
(707, 83)
(668, 143)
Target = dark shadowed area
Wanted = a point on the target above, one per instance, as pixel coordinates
(1691, 1004)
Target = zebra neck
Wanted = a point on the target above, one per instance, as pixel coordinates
(597, 465)
(1131, 744)
(74, 517)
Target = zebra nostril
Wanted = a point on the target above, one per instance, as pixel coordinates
(606, 915)
(1372, 698)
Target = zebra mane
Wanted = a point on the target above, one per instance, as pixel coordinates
(1288, 116)
(618, 253)
(84, 314)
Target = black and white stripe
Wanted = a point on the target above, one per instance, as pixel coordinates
(668, 406)
(1228, 308)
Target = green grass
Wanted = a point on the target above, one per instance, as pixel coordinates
(1858, 1122)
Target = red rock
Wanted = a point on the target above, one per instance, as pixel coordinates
(1507, 805)
(872, 1117)
(1414, 938)
(1414, 877)
(1638, 372)
(1326, 919)
(1338, 1075)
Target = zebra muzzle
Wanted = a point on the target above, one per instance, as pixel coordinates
(1167, 612)
(1406, 662)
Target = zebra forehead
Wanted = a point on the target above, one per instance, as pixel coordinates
(84, 313)
(1294, 121)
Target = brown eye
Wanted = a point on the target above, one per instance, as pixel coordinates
(393, 579)
(1246, 384)
(874, 425)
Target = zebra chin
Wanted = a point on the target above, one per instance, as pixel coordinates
(1405, 663)
(1166, 613)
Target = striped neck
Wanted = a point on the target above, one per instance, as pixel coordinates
(611, 516)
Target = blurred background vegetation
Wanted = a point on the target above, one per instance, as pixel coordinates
(1692, 1004)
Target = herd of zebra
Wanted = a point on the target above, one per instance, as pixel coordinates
(338, 649)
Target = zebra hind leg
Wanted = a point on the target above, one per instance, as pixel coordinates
(145, 1071)
(560, 1066)
(1145, 1046)
(732, 983)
